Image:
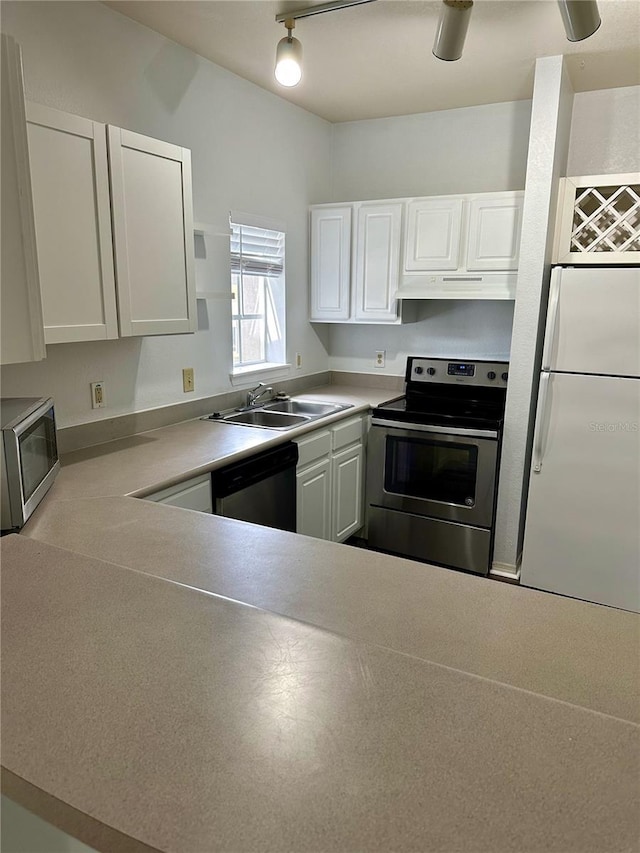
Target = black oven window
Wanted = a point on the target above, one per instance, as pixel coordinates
(432, 470)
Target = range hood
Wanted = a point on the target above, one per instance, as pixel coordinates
(467, 285)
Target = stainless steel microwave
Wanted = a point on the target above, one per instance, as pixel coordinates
(29, 457)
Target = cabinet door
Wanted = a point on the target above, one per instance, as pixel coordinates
(153, 234)
(313, 500)
(495, 225)
(434, 228)
(347, 476)
(377, 262)
(192, 494)
(22, 333)
(330, 263)
(73, 225)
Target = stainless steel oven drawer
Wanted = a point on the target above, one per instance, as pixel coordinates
(433, 540)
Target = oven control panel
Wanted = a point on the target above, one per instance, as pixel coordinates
(444, 370)
(465, 369)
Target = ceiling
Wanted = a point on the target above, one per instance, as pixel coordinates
(375, 60)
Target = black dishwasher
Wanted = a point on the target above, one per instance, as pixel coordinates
(260, 489)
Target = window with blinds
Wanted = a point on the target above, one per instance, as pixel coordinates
(257, 283)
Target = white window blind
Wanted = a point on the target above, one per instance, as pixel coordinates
(258, 288)
(256, 251)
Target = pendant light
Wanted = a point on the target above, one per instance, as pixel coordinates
(581, 18)
(452, 29)
(289, 58)
(289, 51)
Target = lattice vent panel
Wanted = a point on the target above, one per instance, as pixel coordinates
(606, 219)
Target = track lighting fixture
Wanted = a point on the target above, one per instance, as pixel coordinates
(289, 58)
(452, 29)
(581, 18)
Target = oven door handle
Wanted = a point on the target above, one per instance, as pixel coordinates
(470, 433)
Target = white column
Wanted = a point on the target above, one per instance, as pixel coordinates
(546, 163)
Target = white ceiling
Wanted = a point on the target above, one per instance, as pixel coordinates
(375, 60)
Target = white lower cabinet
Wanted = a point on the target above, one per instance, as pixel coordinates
(314, 499)
(190, 494)
(330, 481)
(346, 471)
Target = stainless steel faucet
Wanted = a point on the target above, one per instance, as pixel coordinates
(252, 397)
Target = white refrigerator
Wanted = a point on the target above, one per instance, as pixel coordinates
(582, 531)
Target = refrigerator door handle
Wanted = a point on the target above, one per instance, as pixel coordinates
(552, 316)
(540, 429)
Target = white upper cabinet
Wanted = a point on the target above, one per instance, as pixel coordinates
(377, 262)
(70, 181)
(330, 263)
(356, 280)
(495, 226)
(434, 231)
(462, 247)
(153, 234)
(101, 194)
(22, 332)
(440, 247)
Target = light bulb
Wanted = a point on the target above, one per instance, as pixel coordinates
(289, 61)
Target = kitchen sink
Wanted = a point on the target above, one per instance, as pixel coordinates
(312, 408)
(262, 418)
(281, 414)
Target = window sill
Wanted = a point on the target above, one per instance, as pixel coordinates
(245, 375)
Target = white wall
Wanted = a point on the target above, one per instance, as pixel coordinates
(251, 151)
(605, 132)
(474, 149)
(477, 149)
(443, 328)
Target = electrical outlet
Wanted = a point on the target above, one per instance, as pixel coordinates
(380, 358)
(298, 360)
(188, 382)
(98, 397)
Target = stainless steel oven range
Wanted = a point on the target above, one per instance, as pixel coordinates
(432, 467)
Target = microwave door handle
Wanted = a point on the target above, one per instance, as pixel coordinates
(541, 426)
